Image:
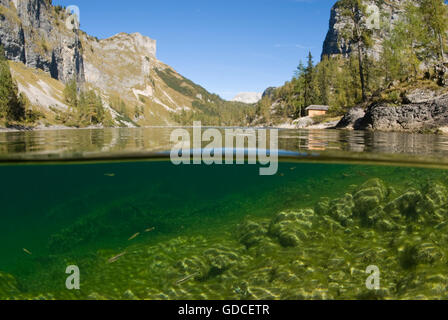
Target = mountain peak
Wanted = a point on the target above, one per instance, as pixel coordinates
(248, 97)
(140, 42)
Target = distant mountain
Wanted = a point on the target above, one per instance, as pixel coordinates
(248, 97)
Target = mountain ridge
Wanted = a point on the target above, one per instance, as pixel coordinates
(248, 97)
(135, 87)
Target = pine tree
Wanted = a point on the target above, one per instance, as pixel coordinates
(298, 84)
(71, 94)
(325, 74)
(90, 108)
(400, 56)
(11, 107)
(357, 32)
(309, 93)
(435, 21)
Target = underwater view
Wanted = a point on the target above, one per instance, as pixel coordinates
(200, 152)
(143, 228)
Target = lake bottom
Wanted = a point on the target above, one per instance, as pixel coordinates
(152, 230)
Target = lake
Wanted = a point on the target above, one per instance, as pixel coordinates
(348, 215)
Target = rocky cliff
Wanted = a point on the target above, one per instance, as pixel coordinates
(427, 116)
(382, 16)
(136, 88)
(35, 33)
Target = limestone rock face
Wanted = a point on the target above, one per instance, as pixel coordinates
(136, 88)
(389, 14)
(352, 118)
(119, 63)
(35, 33)
(408, 117)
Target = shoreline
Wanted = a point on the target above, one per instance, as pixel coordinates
(282, 126)
(43, 128)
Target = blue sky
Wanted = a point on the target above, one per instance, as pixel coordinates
(226, 46)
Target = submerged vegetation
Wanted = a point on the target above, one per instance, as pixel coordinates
(317, 230)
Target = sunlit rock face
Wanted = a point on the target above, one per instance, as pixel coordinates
(35, 32)
(123, 61)
(248, 97)
(382, 15)
(135, 87)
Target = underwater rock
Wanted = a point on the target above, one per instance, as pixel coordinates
(213, 262)
(322, 207)
(291, 227)
(298, 254)
(368, 197)
(220, 260)
(366, 294)
(194, 265)
(341, 209)
(82, 231)
(337, 276)
(408, 256)
(250, 233)
(257, 293)
(428, 253)
(387, 225)
(96, 296)
(129, 295)
(433, 203)
(8, 286)
(405, 205)
(319, 294)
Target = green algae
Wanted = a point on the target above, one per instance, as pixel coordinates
(226, 233)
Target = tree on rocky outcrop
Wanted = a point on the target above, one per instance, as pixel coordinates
(435, 22)
(357, 32)
(86, 107)
(11, 107)
(71, 94)
(91, 109)
(402, 52)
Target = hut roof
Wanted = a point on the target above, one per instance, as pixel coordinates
(317, 107)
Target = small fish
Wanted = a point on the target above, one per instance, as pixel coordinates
(186, 278)
(134, 236)
(118, 256)
(150, 229)
(293, 168)
(27, 251)
(110, 175)
(282, 174)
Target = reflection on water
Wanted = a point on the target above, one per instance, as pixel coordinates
(127, 140)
